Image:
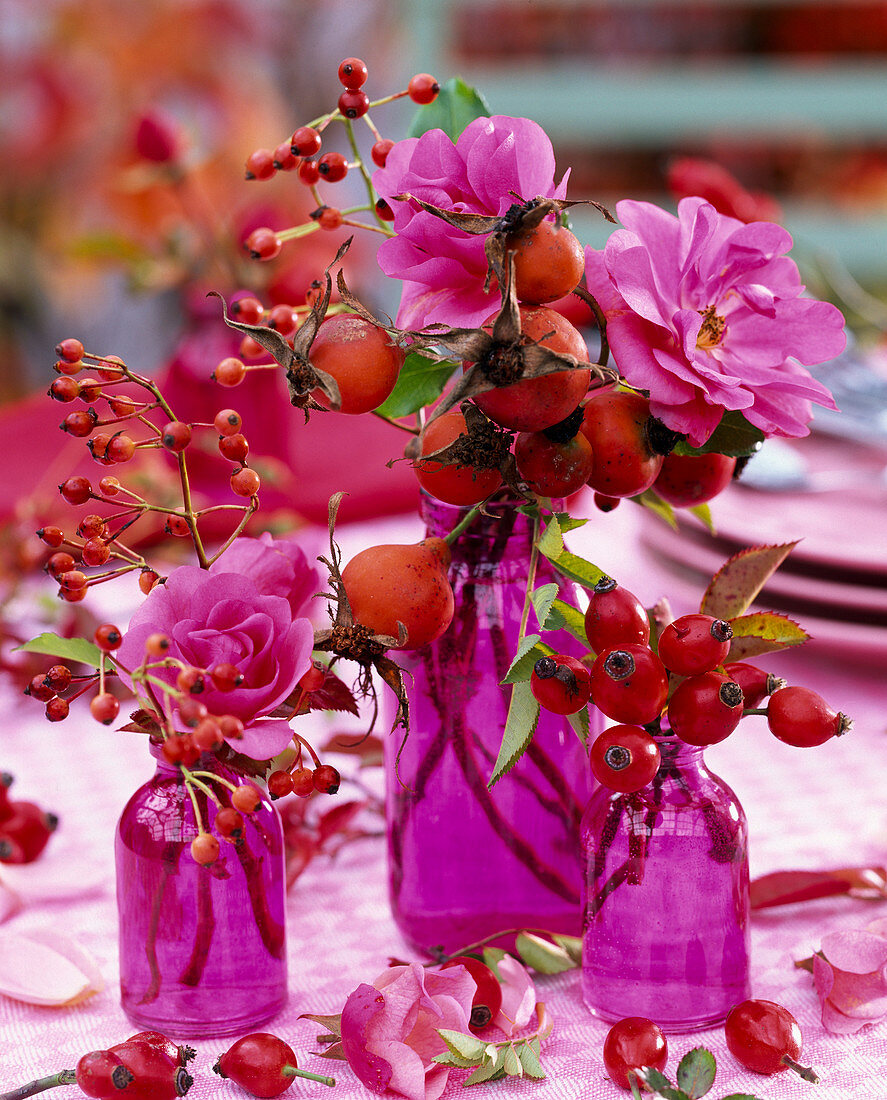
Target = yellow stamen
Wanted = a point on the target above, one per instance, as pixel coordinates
(712, 330)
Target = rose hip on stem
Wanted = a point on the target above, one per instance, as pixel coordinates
(263, 1065)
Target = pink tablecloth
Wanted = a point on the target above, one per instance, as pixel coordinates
(807, 809)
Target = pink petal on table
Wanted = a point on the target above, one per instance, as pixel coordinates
(54, 877)
(10, 902)
(854, 951)
(839, 1024)
(45, 967)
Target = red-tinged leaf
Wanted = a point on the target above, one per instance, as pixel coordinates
(788, 887)
(739, 580)
(764, 632)
(338, 819)
(333, 1024)
(333, 694)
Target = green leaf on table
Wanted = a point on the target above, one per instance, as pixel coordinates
(571, 944)
(488, 1070)
(740, 1096)
(542, 599)
(527, 655)
(420, 382)
(734, 436)
(529, 1059)
(734, 587)
(764, 632)
(511, 1063)
(659, 1084)
(543, 956)
(68, 649)
(456, 105)
(696, 1072)
(703, 512)
(520, 725)
(462, 1045)
(579, 722)
(654, 503)
(563, 616)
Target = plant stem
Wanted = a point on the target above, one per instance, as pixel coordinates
(463, 524)
(291, 1071)
(63, 1077)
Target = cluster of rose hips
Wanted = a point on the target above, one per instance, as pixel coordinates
(25, 828)
(49, 688)
(702, 697)
(98, 537)
(761, 1035)
(303, 153)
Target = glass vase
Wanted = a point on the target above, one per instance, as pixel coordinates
(202, 948)
(464, 861)
(666, 897)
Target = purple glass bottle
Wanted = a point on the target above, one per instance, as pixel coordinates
(202, 949)
(666, 897)
(464, 861)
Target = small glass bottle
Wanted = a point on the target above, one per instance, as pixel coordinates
(202, 948)
(466, 861)
(666, 899)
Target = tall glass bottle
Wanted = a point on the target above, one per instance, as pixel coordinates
(202, 948)
(666, 897)
(466, 861)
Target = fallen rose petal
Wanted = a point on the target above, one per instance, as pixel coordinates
(53, 877)
(518, 996)
(10, 902)
(361, 1007)
(45, 967)
(856, 952)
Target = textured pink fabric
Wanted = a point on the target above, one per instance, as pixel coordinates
(806, 808)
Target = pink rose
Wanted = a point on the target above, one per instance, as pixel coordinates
(518, 995)
(216, 617)
(277, 567)
(389, 1028)
(707, 315)
(495, 162)
(850, 975)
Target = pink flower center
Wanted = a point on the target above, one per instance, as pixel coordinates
(712, 330)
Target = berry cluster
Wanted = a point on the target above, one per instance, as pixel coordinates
(686, 680)
(305, 154)
(761, 1035)
(25, 828)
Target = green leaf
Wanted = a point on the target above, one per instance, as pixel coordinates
(579, 722)
(696, 1072)
(733, 436)
(522, 666)
(542, 599)
(492, 956)
(544, 957)
(489, 1071)
(69, 649)
(512, 1063)
(764, 632)
(658, 506)
(577, 569)
(450, 1059)
(571, 944)
(568, 522)
(652, 1078)
(703, 512)
(420, 382)
(565, 616)
(523, 716)
(456, 105)
(740, 1096)
(733, 589)
(551, 541)
(529, 1059)
(465, 1046)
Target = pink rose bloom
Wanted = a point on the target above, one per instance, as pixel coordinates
(707, 315)
(277, 567)
(215, 617)
(851, 980)
(389, 1028)
(443, 268)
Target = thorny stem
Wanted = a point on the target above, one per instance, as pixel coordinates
(63, 1077)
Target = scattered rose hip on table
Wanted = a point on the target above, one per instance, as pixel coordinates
(630, 1044)
(765, 1038)
(263, 1065)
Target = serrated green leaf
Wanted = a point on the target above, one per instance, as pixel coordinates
(420, 382)
(489, 1071)
(523, 717)
(542, 599)
(512, 1063)
(577, 569)
(456, 105)
(733, 436)
(696, 1072)
(563, 616)
(764, 632)
(658, 506)
(579, 722)
(568, 522)
(571, 944)
(529, 1059)
(551, 541)
(450, 1059)
(544, 957)
(68, 649)
(652, 1078)
(465, 1046)
(522, 665)
(703, 512)
(733, 589)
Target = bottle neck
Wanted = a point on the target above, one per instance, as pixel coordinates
(503, 534)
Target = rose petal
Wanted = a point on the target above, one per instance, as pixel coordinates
(362, 1006)
(10, 902)
(518, 995)
(855, 951)
(836, 1022)
(46, 968)
(54, 877)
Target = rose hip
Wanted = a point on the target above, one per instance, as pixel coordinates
(263, 1065)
